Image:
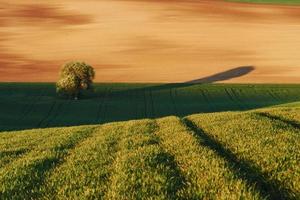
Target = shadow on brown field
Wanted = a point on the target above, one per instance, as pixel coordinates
(222, 76)
(226, 75)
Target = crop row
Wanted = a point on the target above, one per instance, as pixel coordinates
(267, 147)
(24, 175)
(233, 155)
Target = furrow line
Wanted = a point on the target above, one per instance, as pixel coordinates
(31, 105)
(173, 101)
(56, 113)
(23, 178)
(239, 167)
(293, 123)
(142, 169)
(39, 124)
(100, 105)
(85, 172)
(266, 149)
(206, 174)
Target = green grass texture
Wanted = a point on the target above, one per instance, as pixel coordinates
(226, 155)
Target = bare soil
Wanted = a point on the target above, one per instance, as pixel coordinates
(151, 40)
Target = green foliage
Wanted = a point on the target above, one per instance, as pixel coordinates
(68, 85)
(231, 155)
(74, 78)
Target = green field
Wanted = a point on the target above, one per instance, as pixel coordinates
(270, 1)
(26, 106)
(227, 155)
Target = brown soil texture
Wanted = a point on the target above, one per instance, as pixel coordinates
(151, 40)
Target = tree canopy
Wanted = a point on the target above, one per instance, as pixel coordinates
(75, 77)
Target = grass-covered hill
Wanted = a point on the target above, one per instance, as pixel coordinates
(35, 105)
(227, 155)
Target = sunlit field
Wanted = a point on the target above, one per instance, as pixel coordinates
(150, 41)
(150, 100)
(232, 155)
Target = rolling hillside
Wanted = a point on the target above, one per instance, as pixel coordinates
(189, 100)
(27, 106)
(227, 155)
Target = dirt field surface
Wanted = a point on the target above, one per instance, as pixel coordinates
(151, 41)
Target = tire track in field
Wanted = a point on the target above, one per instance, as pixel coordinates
(206, 98)
(288, 94)
(202, 102)
(295, 97)
(27, 106)
(152, 115)
(133, 103)
(232, 97)
(176, 102)
(276, 95)
(60, 110)
(132, 96)
(53, 114)
(31, 106)
(229, 95)
(105, 106)
(101, 105)
(273, 96)
(39, 124)
(252, 97)
(173, 101)
(244, 95)
(281, 94)
(238, 98)
(145, 103)
(137, 100)
(279, 97)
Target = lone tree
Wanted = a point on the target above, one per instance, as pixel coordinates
(74, 78)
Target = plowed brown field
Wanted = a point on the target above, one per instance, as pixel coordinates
(150, 41)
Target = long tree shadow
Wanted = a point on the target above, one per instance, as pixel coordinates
(243, 169)
(200, 95)
(223, 76)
